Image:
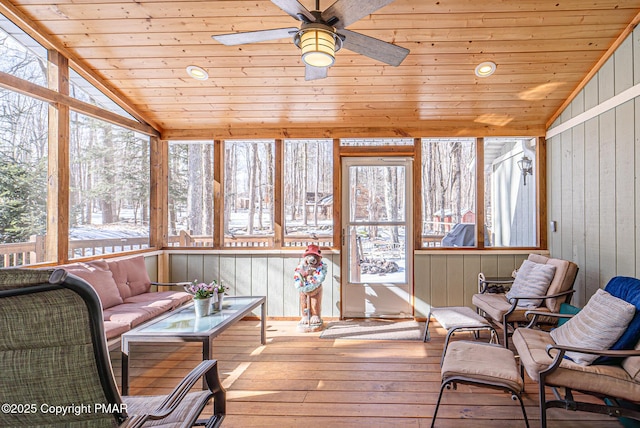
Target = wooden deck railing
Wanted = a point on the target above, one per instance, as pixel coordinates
(26, 253)
(184, 239)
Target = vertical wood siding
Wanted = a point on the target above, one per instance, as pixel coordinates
(592, 187)
(440, 279)
(259, 274)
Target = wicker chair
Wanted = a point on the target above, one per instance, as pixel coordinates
(55, 368)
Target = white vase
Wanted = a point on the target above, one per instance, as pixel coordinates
(218, 304)
(202, 307)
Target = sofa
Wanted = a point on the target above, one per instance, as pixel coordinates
(124, 288)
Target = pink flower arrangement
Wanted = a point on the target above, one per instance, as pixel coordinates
(200, 290)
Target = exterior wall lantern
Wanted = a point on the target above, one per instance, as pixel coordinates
(526, 167)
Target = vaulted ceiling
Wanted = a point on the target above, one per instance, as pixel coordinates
(139, 49)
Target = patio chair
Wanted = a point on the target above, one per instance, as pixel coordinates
(55, 368)
(573, 360)
(532, 289)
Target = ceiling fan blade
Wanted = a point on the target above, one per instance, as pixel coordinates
(255, 36)
(374, 48)
(349, 11)
(295, 9)
(314, 73)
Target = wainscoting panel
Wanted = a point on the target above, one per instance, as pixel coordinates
(442, 278)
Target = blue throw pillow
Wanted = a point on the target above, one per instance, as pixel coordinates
(567, 309)
(627, 289)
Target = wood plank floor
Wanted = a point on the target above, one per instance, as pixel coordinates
(300, 380)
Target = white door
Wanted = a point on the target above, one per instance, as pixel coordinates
(377, 244)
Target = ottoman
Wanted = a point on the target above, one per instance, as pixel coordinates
(458, 318)
(481, 364)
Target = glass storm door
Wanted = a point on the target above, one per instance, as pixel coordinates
(377, 244)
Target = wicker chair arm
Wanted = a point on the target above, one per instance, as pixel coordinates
(208, 369)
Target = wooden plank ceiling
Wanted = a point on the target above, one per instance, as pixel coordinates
(543, 51)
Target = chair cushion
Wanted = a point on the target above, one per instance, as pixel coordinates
(627, 289)
(563, 279)
(98, 275)
(496, 305)
(632, 365)
(597, 326)
(130, 275)
(610, 380)
(532, 279)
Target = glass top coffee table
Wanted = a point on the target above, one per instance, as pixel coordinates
(182, 325)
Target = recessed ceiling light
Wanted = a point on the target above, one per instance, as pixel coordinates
(485, 69)
(197, 73)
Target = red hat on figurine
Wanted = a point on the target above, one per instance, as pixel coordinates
(312, 250)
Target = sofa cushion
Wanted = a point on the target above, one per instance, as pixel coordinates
(130, 275)
(610, 380)
(532, 279)
(113, 329)
(597, 326)
(133, 314)
(167, 300)
(97, 274)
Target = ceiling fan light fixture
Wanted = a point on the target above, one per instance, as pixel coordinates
(318, 46)
(485, 69)
(197, 73)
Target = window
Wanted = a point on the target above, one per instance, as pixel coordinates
(84, 91)
(308, 192)
(510, 193)
(23, 179)
(109, 188)
(249, 193)
(448, 192)
(191, 193)
(20, 55)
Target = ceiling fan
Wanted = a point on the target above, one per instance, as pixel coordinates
(322, 34)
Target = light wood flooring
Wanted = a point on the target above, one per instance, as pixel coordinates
(300, 380)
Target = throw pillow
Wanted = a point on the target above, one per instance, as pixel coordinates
(532, 279)
(567, 309)
(627, 289)
(597, 326)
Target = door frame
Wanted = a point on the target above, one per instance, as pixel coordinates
(407, 161)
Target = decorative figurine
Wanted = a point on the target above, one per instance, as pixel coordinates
(308, 278)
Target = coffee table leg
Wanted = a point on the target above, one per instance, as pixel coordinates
(263, 336)
(125, 372)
